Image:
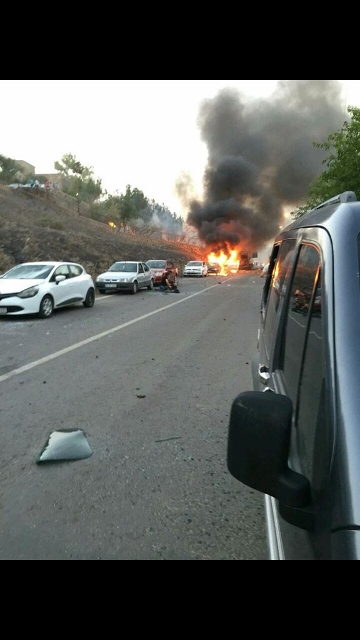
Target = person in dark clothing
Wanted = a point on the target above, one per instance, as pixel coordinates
(168, 282)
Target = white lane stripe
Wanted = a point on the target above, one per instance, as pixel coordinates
(62, 352)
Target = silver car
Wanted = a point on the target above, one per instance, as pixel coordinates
(125, 276)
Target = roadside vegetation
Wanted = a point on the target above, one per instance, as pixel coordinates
(342, 164)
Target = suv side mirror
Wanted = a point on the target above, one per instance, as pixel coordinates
(258, 447)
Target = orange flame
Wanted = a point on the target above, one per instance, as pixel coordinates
(112, 225)
(227, 262)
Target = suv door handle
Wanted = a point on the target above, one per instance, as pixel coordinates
(264, 374)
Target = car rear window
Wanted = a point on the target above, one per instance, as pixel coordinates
(156, 264)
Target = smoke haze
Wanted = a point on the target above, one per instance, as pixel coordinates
(261, 160)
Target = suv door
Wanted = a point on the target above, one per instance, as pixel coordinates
(295, 356)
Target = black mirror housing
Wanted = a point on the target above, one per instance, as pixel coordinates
(258, 447)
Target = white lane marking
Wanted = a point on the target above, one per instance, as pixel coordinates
(62, 352)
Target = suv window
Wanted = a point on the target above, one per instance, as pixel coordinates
(277, 290)
(295, 330)
(302, 361)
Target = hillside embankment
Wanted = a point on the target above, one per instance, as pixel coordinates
(52, 226)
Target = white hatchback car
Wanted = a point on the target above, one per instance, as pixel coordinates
(40, 287)
(196, 268)
(125, 275)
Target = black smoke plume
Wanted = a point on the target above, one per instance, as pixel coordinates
(261, 160)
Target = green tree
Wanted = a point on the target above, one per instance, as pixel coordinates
(343, 164)
(8, 170)
(69, 167)
(79, 181)
(127, 207)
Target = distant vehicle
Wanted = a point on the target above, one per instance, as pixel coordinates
(195, 268)
(295, 435)
(158, 268)
(125, 276)
(244, 262)
(41, 287)
(213, 268)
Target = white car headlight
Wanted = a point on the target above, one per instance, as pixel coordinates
(28, 293)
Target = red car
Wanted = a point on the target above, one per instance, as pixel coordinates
(158, 267)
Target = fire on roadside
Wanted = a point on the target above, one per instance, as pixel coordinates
(229, 263)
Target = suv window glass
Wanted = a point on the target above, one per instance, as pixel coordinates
(277, 291)
(311, 419)
(303, 359)
(295, 329)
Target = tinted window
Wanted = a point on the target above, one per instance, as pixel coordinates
(311, 407)
(302, 288)
(303, 361)
(277, 291)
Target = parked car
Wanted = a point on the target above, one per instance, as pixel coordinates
(41, 287)
(125, 276)
(213, 268)
(158, 268)
(195, 268)
(295, 436)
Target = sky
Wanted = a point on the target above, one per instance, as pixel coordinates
(228, 155)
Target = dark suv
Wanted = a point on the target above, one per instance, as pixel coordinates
(296, 436)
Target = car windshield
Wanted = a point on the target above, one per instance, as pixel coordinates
(156, 264)
(29, 272)
(126, 267)
(194, 264)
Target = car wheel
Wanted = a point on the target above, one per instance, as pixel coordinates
(46, 307)
(90, 299)
(151, 285)
(135, 288)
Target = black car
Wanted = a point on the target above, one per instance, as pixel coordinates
(214, 268)
(295, 436)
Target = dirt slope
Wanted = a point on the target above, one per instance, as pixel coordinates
(48, 227)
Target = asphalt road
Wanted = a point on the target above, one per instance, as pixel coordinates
(147, 381)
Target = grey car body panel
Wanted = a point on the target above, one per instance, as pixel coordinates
(334, 228)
